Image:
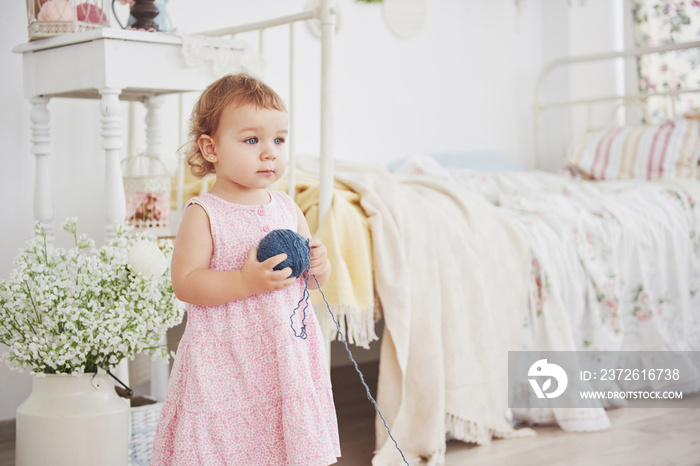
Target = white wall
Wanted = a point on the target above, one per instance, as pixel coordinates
(596, 26)
(465, 84)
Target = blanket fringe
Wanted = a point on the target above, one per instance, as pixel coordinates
(357, 325)
(472, 432)
(392, 458)
(435, 458)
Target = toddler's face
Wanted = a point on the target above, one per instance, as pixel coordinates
(250, 147)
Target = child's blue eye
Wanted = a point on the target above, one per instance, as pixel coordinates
(251, 141)
(279, 140)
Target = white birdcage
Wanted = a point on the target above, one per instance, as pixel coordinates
(147, 187)
(48, 18)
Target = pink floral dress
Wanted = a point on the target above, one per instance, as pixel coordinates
(244, 390)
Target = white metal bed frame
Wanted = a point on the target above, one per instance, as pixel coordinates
(541, 105)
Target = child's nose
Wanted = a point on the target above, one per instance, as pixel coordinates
(268, 152)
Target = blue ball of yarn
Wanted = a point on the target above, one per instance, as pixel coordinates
(289, 242)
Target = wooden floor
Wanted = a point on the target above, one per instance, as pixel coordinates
(662, 436)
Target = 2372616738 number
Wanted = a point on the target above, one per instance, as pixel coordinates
(639, 374)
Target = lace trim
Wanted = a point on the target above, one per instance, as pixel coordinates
(226, 55)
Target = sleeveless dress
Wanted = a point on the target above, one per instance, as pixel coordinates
(244, 390)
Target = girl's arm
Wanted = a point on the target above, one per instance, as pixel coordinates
(320, 265)
(194, 283)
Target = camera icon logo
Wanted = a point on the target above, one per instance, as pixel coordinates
(542, 368)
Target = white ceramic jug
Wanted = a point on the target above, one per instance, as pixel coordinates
(72, 421)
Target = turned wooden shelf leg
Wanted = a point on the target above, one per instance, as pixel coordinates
(41, 149)
(115, 200)
(154, 127)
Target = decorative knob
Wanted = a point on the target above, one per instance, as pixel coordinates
(144, 11)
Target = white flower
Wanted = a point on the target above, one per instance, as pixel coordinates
(146, 258)
(71, 311)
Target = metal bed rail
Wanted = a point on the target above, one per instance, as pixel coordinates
(541, 105)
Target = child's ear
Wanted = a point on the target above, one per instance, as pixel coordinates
(206, 146)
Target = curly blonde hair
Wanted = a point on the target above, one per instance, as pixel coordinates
(233, 89)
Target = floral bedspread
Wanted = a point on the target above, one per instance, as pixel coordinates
(621, 260)
(615, 264)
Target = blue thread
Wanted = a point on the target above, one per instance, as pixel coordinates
(362, 378)
(304, 298)
(298, 258)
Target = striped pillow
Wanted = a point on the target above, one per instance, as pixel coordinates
(667, 150)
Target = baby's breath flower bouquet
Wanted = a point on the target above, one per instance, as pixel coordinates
(72, 311)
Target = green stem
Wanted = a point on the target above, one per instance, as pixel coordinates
(15, 326)
(25, 286)
(161, 346)
(45, 248)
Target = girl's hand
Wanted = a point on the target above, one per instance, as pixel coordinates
(319, 264)
(260, 277)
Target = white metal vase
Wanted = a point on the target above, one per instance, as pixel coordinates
(72, 420)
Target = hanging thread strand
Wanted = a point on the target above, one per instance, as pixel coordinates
(362, 378)
(304, 299)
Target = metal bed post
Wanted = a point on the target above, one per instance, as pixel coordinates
(327, 17)
(291, 146)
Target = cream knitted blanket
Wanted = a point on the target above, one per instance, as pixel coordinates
(451, 273)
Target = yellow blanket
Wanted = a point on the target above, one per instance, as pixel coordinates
(346, 234)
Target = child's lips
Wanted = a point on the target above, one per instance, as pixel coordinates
(266, 172)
